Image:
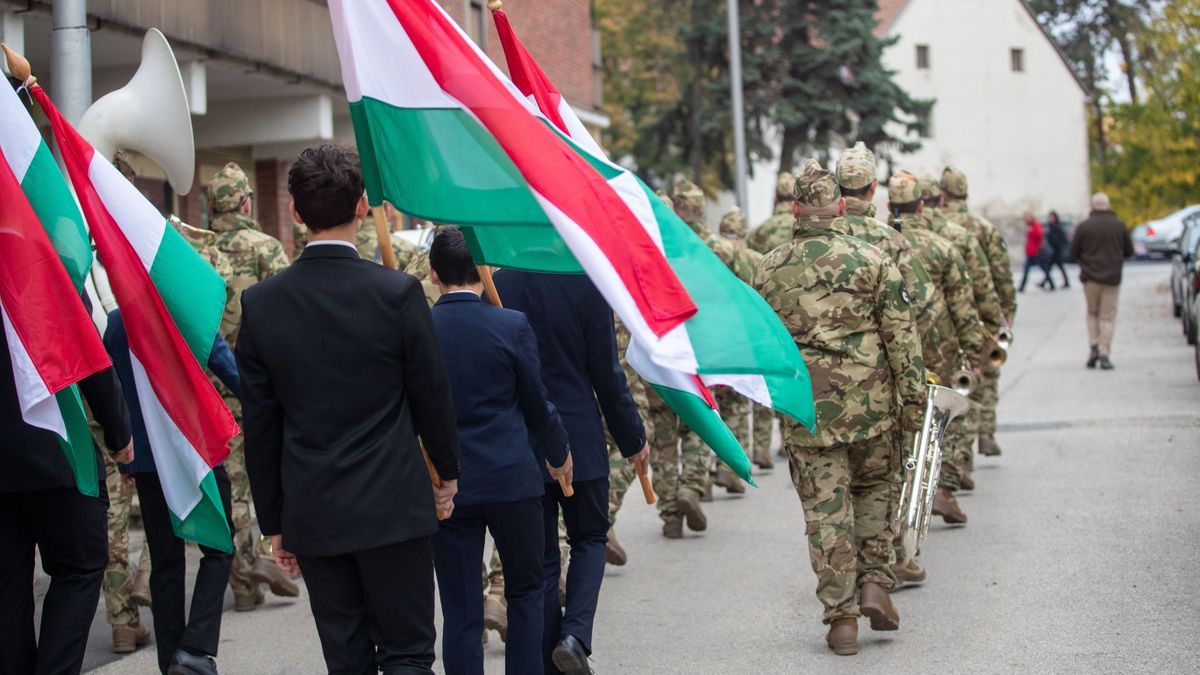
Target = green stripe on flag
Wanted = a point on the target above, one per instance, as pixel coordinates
(207, 524)
(532, 248)
(80, 452)
(47, 192)
(707, 424)
(192, 290)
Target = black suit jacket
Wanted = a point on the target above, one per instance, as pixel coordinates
(500, 400)
(31, 457)
(578, 344)
(340, 374)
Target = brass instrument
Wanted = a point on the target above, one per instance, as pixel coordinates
(998, 354)
(964, 381)
(924, 465)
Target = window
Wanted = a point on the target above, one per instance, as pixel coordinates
(475, 22)
(1018, 60)
(923, 57)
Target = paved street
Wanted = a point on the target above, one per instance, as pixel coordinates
(1077, 558)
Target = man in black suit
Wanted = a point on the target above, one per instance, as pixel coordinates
(578, 344)
(501, 406)
(341, 373)
(41, 506)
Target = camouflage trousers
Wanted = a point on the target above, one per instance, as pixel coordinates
(849, 492)
(245, 551)
(621, 475)
(679, 460)
(763, 422)
(986, 396)
(735, 410)
(117, 584)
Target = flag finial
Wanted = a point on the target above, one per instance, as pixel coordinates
(18, 65)
(495, 5)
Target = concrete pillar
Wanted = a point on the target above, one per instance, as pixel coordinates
(12, 33)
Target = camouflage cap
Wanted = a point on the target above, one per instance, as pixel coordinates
(733, 224)
(816, 186)
(930, 190)
(856, 167)
(904, 188)
(228, 188)
(666, 198)
(954, 183)
(689, 201)
(785, 186)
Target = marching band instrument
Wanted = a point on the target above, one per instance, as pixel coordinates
(998, 354)
(924, 464)
(963, 382)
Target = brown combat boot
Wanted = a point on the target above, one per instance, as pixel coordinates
(843, 636)
(614, 553)
(248, 601)
(495, 615)
(126, 639)
(267, 572)
(707, 496)
(946, 506)
(673, 528)
(966, 482)
(141, 589)
(728, 480)
(689, 507)
(988, 446)
(762, 459)
(909, 572)
(876, 604)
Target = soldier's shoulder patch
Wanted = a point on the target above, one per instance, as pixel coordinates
(904, 294)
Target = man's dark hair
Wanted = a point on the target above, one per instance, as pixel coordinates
(860, 193)
(451, 259)
(326, 183)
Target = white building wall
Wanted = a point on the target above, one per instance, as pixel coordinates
(1021, 137)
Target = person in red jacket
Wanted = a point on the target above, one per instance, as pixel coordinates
(1034, 235)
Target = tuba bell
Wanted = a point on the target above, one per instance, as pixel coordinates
(923, 466)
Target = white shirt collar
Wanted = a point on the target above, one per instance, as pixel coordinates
(332, 242)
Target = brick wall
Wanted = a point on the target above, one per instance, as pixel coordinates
(272, 200)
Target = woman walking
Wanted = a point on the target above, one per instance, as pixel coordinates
(1034, 235)
(1060, 244)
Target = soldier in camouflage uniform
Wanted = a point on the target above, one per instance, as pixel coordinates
(366, 240)
(958, 327)
(253, 256)
(954, 186)
(848, 309)
(621, 473)
(777, 230)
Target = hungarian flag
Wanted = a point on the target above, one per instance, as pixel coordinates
(171, 302)
(730, 315)
(52, 343)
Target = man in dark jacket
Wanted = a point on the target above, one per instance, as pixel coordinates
(341, 374)
(41, 506)
(1101, 246)
(578, 345)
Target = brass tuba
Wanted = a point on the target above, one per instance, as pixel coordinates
(924, 465)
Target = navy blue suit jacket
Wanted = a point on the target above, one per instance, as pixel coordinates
(578, 344)
(491, 357)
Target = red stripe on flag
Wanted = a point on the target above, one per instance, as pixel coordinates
(178, 380)
(527, 74)
(552, 167)
(47, 314)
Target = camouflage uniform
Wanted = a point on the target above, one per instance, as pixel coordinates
(954, 184)
(621, 473)
(252, 256)
(117, 584)
(299, 239)
(419, 268)
(848, 309)
(367, 243)
(777, 230)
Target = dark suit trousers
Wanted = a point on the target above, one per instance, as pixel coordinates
(374, 608)
(457, 549)
(69, 529)
(586, 518)
(200, 632)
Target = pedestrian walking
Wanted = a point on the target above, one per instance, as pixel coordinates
(1034, 239)
(1060, 246)
(1101, 246)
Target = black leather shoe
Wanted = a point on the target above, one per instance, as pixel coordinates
(183, 663)
(1093, 357)
(570, 657)
(1105, 364)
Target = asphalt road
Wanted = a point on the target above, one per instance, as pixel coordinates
(1077, 558)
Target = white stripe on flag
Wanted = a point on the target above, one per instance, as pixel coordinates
(19, 137)
(179, 466)
(753, 387)
(139, 221)
(39, 408)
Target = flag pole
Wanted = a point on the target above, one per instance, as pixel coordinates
(384, 234)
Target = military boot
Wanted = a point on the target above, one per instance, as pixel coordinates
(762, 459)
(988, 446)
(267, 572)
(707, 496)
(614, 553)
(966, 482)
(689, 507)
(909, 572)
(127, 638)
(141, 588)
(495, 613)
(876, 604)
(726, 479)
(247, 601)
(946, 506)
(673, 528)
(843, 636)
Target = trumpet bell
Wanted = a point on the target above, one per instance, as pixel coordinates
(998, 356)
(148, 115)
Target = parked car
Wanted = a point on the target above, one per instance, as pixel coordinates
(1163, 234)
(1138, 235)
(1191, 286)
(1182, 263)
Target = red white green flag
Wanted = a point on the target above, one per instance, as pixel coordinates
(52, 343)
(171, 302)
